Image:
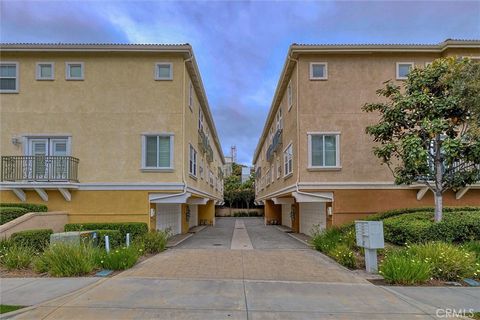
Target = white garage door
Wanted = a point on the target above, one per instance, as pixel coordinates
(286, 218)
(193, 216)
(312, 214)
(169, 217)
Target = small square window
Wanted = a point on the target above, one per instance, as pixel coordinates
(74, 70)
(45, 71)
(318, 71)
(403, 69)
(163, 71)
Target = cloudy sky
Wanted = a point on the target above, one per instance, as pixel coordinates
(240, 46)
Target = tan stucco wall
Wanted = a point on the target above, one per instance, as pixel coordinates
(35, 220)
(106, 113)
(207, 212)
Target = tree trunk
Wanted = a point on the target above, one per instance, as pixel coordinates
(438, 206)
(438, 180)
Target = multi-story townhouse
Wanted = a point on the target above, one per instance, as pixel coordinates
(314, 162)
(109, 133)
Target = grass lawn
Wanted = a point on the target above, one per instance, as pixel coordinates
(4, 308)
(476, 315)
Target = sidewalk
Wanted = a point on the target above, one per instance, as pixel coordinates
(32, 291)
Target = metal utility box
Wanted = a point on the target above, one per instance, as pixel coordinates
(369, 234)
(72, 237)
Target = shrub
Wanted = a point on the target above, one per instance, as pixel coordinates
(37, 239)
(396, 212)
(120, 258)
(474, 247)
(399, 268)
(31, 207)
(16, 257)
(154, 241)
(134, 228)
(448, 262)
(114, 236)
(11, 213)
(68, 260)
(456, 226)
(343, 255)
(326, 240)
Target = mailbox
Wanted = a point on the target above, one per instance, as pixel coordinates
(369, 234)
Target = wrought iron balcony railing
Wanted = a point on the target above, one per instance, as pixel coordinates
(39, 168)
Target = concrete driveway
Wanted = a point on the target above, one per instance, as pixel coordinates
(271, 276)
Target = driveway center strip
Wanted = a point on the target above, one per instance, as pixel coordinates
(240, 238)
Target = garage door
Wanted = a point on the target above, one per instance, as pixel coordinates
(286, 218)
(168, 217)
(312, 214)
(193, 216)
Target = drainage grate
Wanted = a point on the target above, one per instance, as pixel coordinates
(217, 244)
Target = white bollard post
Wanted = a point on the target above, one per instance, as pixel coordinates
(107, 244)
(128, 240)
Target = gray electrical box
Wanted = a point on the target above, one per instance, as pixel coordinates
(71, 237)
(369, 234)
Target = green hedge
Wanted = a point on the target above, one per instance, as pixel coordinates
(392, 213)
(11, 213)
(37, 239)
(114, 236)
(135, 229)
(456, 226)
(31, 207)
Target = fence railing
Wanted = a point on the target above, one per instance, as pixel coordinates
(39, 168)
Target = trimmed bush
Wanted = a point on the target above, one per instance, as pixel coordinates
(399, 268)
(11, 213)
(67, 260)
(420, 227)
(120, 258)
(114, 236)
(31, 207)
(343, 255)
(37, 239)
(448, 262)
(135, 229)
(154, 241)
(392, 213)
(16, 257)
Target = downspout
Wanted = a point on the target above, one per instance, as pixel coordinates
(183, 123)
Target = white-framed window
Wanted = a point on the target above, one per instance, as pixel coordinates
(157, 151)
(163, 71)
(318, 71)
(8, 77)
(403, 69)
(192, 166)
(268, 177)
(74, 70)
(279, 167)
(324, 150)
(288, 160)
(45, 71)
(190, 96)
(289, 95)
(200, 119)
(279, 119)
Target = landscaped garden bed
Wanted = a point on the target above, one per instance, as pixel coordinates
(417, 251)
(29, 253)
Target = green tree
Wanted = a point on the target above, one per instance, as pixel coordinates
(429, 130)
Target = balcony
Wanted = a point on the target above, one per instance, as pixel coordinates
(39, 169)
(276, 143)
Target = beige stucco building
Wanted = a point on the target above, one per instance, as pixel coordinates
(314, 161)
(109, 132)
